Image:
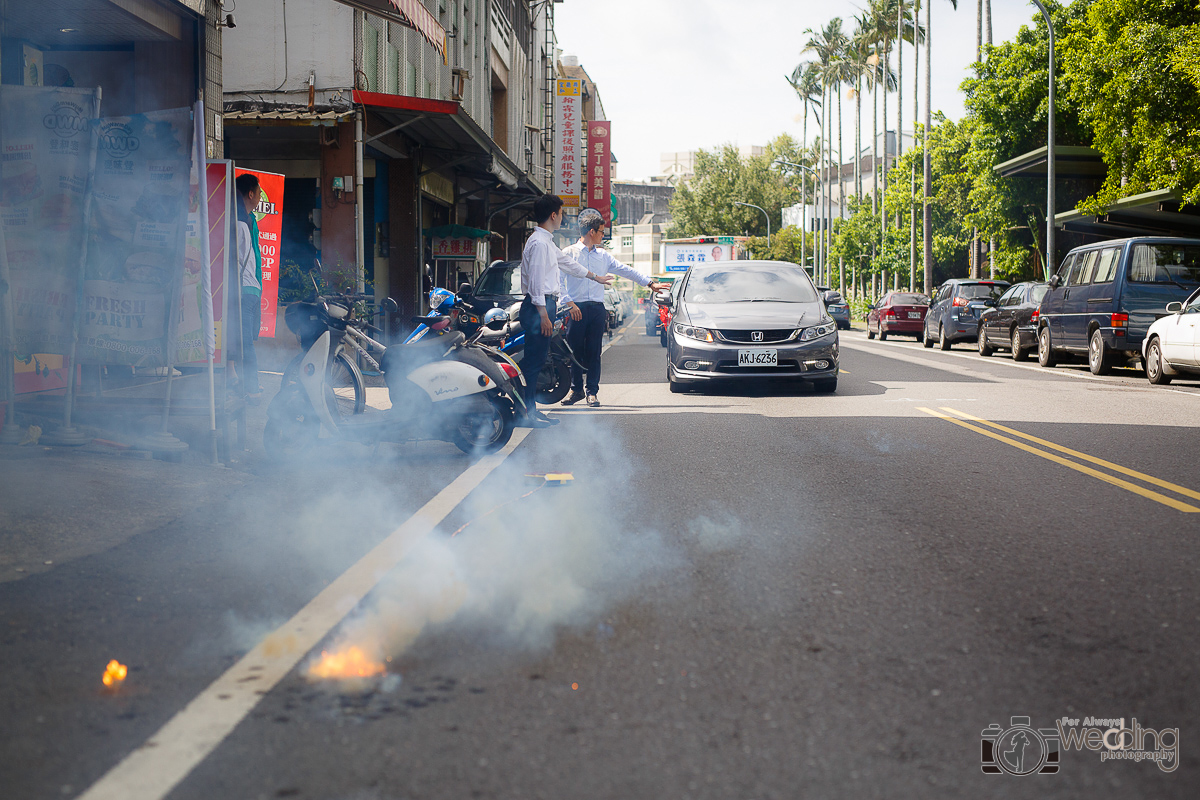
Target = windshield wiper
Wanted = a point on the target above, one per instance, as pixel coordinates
(764, 300)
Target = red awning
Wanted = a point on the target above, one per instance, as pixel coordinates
(410, 13)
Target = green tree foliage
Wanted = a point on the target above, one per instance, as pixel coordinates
(704, 205)
(785, 246)
(1131, 67)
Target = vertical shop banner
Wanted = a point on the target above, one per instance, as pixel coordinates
(270, 226)
(47, 152)
(568, 117)
(599, 168)
(136, 249)
(219, 180)
(195, 335)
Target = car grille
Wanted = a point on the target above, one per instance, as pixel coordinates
(785, 365)
(768, 337)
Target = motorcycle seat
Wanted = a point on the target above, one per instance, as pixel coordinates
(402, 358)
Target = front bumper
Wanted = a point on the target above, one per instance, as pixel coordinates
(694, 361)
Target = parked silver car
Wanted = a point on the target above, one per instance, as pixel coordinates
(740, 320)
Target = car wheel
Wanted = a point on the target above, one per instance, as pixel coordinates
(882, 334)
(1046, 355)
(985, 349)
(943, 342)
(1099, 355)
(870, 333)
(1154, 364)
(1018, 353)
(825, 386)
(925, 340)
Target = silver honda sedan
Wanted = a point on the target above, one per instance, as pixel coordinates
(739, 320)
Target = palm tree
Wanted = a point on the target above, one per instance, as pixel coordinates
(926, 211)
(806, 81)
(827, 44)
(859, 54)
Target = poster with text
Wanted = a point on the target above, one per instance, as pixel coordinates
(599, 168)
(219, 180)
(195, 337)
(136, 249)
(568, 117)
(269, 214)
(47, 152)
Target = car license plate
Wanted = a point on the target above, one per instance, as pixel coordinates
(758, 358)
(914, 315)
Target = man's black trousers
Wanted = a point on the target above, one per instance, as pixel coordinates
(586, 337)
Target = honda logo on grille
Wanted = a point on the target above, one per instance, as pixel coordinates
(756, 336)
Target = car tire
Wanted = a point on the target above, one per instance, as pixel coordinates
(943, 342)
(1018, 352)
(870, 333)
(825, 386)
(882, 334)
(984, 348)
(1046, 356)
(1100, 356)
(1154, 364)
(925, 340)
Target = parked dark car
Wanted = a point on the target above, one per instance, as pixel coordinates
(897, 312)
(1012, 324)
(837, 306)
(1105, 297)
(956, 308)
(500, 284)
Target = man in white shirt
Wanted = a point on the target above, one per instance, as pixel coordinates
(540, 265)
(586, 300)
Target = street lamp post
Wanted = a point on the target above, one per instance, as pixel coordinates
(803, 203)
(765, 214)
(1049, 147)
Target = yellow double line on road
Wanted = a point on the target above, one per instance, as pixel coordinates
(1158, 497)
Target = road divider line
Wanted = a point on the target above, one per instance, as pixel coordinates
(1149, 494)
(1141, 476)
(167, 757)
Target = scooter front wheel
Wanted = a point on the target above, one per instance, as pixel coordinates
(554, 381)
(292, 425)
(485, 428)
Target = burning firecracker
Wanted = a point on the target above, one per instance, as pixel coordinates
(114, 673)
(349, 663)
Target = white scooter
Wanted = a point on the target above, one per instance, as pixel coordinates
(439, 388)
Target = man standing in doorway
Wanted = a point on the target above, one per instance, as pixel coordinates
(586, 300)
(540, 265)
(249, 257)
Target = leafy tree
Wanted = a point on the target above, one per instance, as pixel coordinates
(1131, 67)
(785, 246)
(704, 205)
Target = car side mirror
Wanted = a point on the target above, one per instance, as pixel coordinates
(870, 307)
(1055, 282)
(465, 290)
(1174, 308)
(664, 300)
(990, 302)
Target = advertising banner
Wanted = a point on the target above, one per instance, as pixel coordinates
(195, 335)
(599, 168)
(568, 116)
(219, 180)
(135, 260)
(47, 151)
(678, 257)
(269, 215)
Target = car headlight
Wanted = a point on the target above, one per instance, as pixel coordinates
(701, 334)
(817, 331)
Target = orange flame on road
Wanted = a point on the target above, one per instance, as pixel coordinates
(349, 663)
(114, 673)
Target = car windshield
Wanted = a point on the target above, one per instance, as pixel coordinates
(1165, 263)
(749, 284)
(909, 300)
(981, 291)
(500, 280)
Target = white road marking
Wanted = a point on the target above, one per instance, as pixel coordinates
(166, 758)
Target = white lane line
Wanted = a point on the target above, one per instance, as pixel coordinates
(159, 765)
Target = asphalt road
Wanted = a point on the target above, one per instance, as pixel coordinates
(754, 593)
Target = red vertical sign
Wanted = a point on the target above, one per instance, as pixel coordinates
(218, 219)
(270, 225)
(599, 168)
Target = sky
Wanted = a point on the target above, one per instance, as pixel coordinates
(680, 75)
